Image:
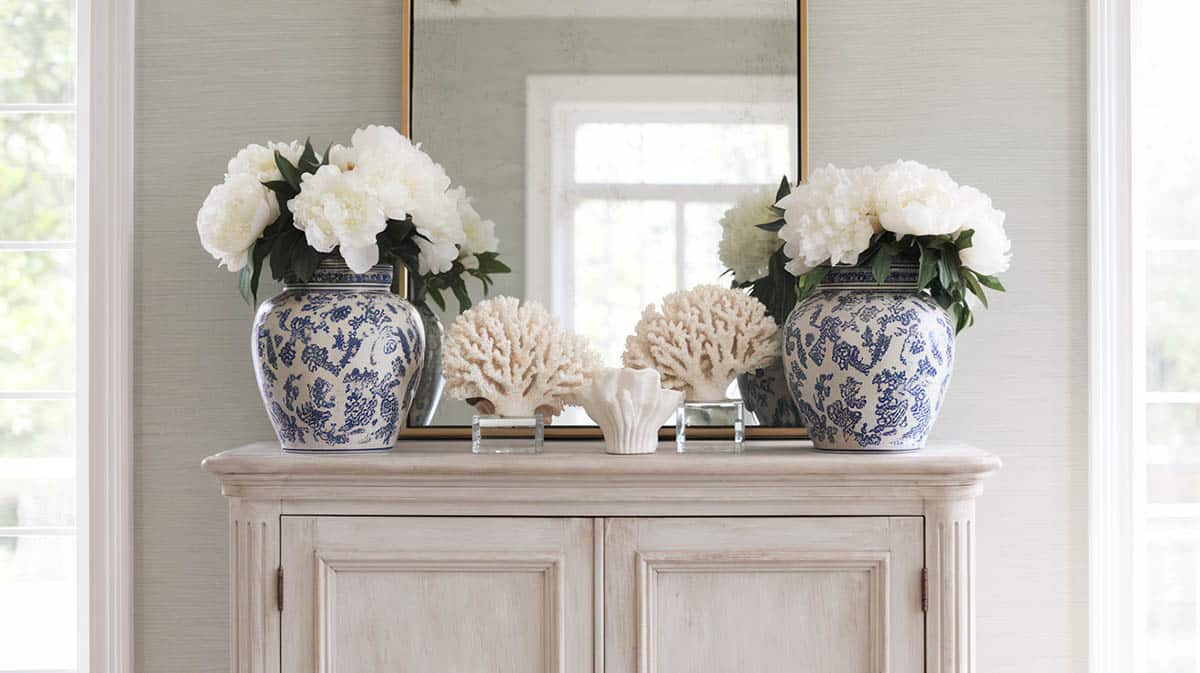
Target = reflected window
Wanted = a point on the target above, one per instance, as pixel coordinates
(638, 178)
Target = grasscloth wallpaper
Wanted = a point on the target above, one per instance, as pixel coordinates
(993, 92)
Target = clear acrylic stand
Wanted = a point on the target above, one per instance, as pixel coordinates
(500, 434)
(728, 415)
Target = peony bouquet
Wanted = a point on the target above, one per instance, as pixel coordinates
(379, 200)
(901, 211)
(752, 252)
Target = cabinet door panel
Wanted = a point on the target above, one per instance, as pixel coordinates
(764, 595)
(432, 595)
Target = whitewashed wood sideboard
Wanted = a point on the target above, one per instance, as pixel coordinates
(432, 560)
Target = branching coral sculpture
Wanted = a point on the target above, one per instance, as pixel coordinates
(702, 339)
(514, 360)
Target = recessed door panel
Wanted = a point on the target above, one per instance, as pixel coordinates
(433, 595)
(796, 595)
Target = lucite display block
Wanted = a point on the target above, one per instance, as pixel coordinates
(727, 415)
(504, 434)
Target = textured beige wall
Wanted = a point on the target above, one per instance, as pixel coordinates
(213, 75)
(993, 92)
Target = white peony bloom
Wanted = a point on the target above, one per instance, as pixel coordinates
(479, 234)
(439, 250)
(407, 183)
(336, 209)
(913, 199)
(259, 162)
(233, 217)
(745, 249)
(990, 249)
(382, 138)
(343, 157)
(829, 218)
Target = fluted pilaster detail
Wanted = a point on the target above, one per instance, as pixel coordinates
(254, 564)
(950, 559)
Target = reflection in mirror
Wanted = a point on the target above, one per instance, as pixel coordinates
(606, 140)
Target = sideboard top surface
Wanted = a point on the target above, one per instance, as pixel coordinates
(586, 461)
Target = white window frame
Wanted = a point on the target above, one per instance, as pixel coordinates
(106, 94)
(1115, 481)
(103, 242)
(557, 104)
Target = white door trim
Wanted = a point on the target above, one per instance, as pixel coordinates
(1114, 626)
(107, 29)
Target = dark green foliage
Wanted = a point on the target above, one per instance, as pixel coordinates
(455, 280)
(776, 290)
(940, 271)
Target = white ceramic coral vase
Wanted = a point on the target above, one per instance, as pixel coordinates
(337, 360)
(868, 364)
(630, 406)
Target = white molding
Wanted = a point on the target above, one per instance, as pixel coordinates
(108, 240)
(1114, 626)
(430, 10)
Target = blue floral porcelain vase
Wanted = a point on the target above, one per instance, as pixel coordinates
(867, 363)
(765, 392)
(337, 360)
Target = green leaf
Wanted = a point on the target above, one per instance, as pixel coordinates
(490, 263)
(964, 318)
(928, 268)
(244, 277)
(772, 226)
(280, 186)
(283, 193)
(290, 173)
(459, 287)
(308, 159)
(882, 264)
(785, 188)
(964, 239)
(974, 286)
(283, 251)
(990, 282)
(809, 282)
(945, 273)
(437, 298)
(305, 262)
(262, 248)
(325, 157)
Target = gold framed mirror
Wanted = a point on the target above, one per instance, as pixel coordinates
(605, 140)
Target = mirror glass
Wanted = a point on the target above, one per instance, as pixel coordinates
(605, 140)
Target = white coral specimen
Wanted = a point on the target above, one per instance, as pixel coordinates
(702, 339)
(514, 360)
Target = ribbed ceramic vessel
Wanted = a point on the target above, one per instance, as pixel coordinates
(629, 405)
(766, 394)
(868, 364)
(337, 360)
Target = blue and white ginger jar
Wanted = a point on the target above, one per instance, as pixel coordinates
(868, 364)
(766, 394)
(337, 360)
